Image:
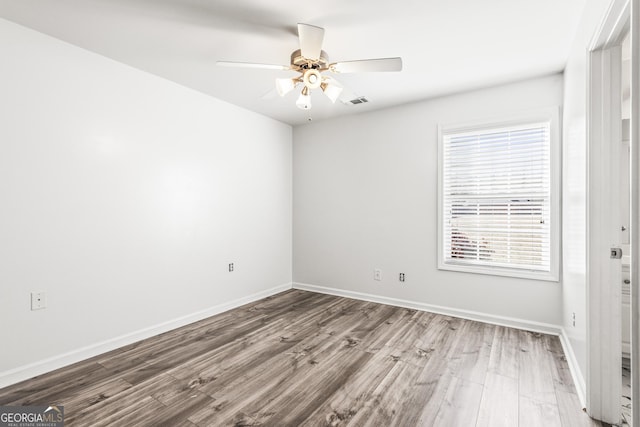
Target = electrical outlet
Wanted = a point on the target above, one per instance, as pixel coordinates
(402, 277)
(573, 318)
(38, 300)
(230, 267)
(377, 274)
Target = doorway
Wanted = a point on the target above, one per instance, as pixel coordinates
(612, 217)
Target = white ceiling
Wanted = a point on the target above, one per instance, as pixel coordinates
(447, 46)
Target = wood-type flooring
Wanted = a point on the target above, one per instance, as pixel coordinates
(307, 359)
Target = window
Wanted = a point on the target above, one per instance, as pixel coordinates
(498, 197)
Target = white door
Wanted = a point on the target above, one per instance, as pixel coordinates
(604, 236)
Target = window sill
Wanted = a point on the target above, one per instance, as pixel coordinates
(499, 271)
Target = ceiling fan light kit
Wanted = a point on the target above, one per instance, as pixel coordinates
(311, 61)
(304, 101)
(312, 78)
(332, 90)
(284, 86)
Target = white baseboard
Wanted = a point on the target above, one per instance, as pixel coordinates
(40, 367)
(511, 322)
(576, 373)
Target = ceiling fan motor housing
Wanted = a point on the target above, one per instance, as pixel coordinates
(301, 63)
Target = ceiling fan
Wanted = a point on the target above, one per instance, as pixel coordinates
(311, 62)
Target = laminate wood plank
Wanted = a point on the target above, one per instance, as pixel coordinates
(430, 332)
(215, 351)
(413, 391)
(354, 395)
(238, 385)
(213, 325)
(395, 330)
(129, 414)
(300, 358)
(219, 330)
(534, 413)
(355, 323)
(411, 333)
(51, 388)
(287, 387)
(442, 333)
(330, 319)
(560, 372)
(93, 394)
(430, 355)
(505, 352)
(499, 404)
(128, 410)
(421, 337)
(246, 329)
(469, 357)
(174, 393)
(399, 398)
(460, 405)
(208, 366)
(300, 399)
(148, 413)
(227, 369)
(418, 402)
(535, 378)
(371, 316)
(128, 401)
(570, 413)
(242, 356)
(178, 412)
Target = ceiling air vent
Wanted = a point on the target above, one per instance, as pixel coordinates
(359, 100)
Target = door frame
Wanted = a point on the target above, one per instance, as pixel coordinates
(604, 124)
(634, 144)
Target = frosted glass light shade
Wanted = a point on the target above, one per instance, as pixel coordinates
(332, 91)
(304, 102)
(284, 86)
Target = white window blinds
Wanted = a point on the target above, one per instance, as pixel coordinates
(496, 197)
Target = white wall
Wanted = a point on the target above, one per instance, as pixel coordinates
(124, 197)
(575, 182)
(365, 189)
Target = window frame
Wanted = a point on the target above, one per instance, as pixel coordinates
(550, 115)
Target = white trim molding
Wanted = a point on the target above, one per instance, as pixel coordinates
(511, 322)
(635, 210)
(40, 367)
(540, 118)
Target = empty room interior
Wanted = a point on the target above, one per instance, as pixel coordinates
(237, 213)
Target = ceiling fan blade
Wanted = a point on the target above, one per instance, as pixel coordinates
(310, 40)
(347, 96)
(252, 65)
(271, 95)
(367, 65)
